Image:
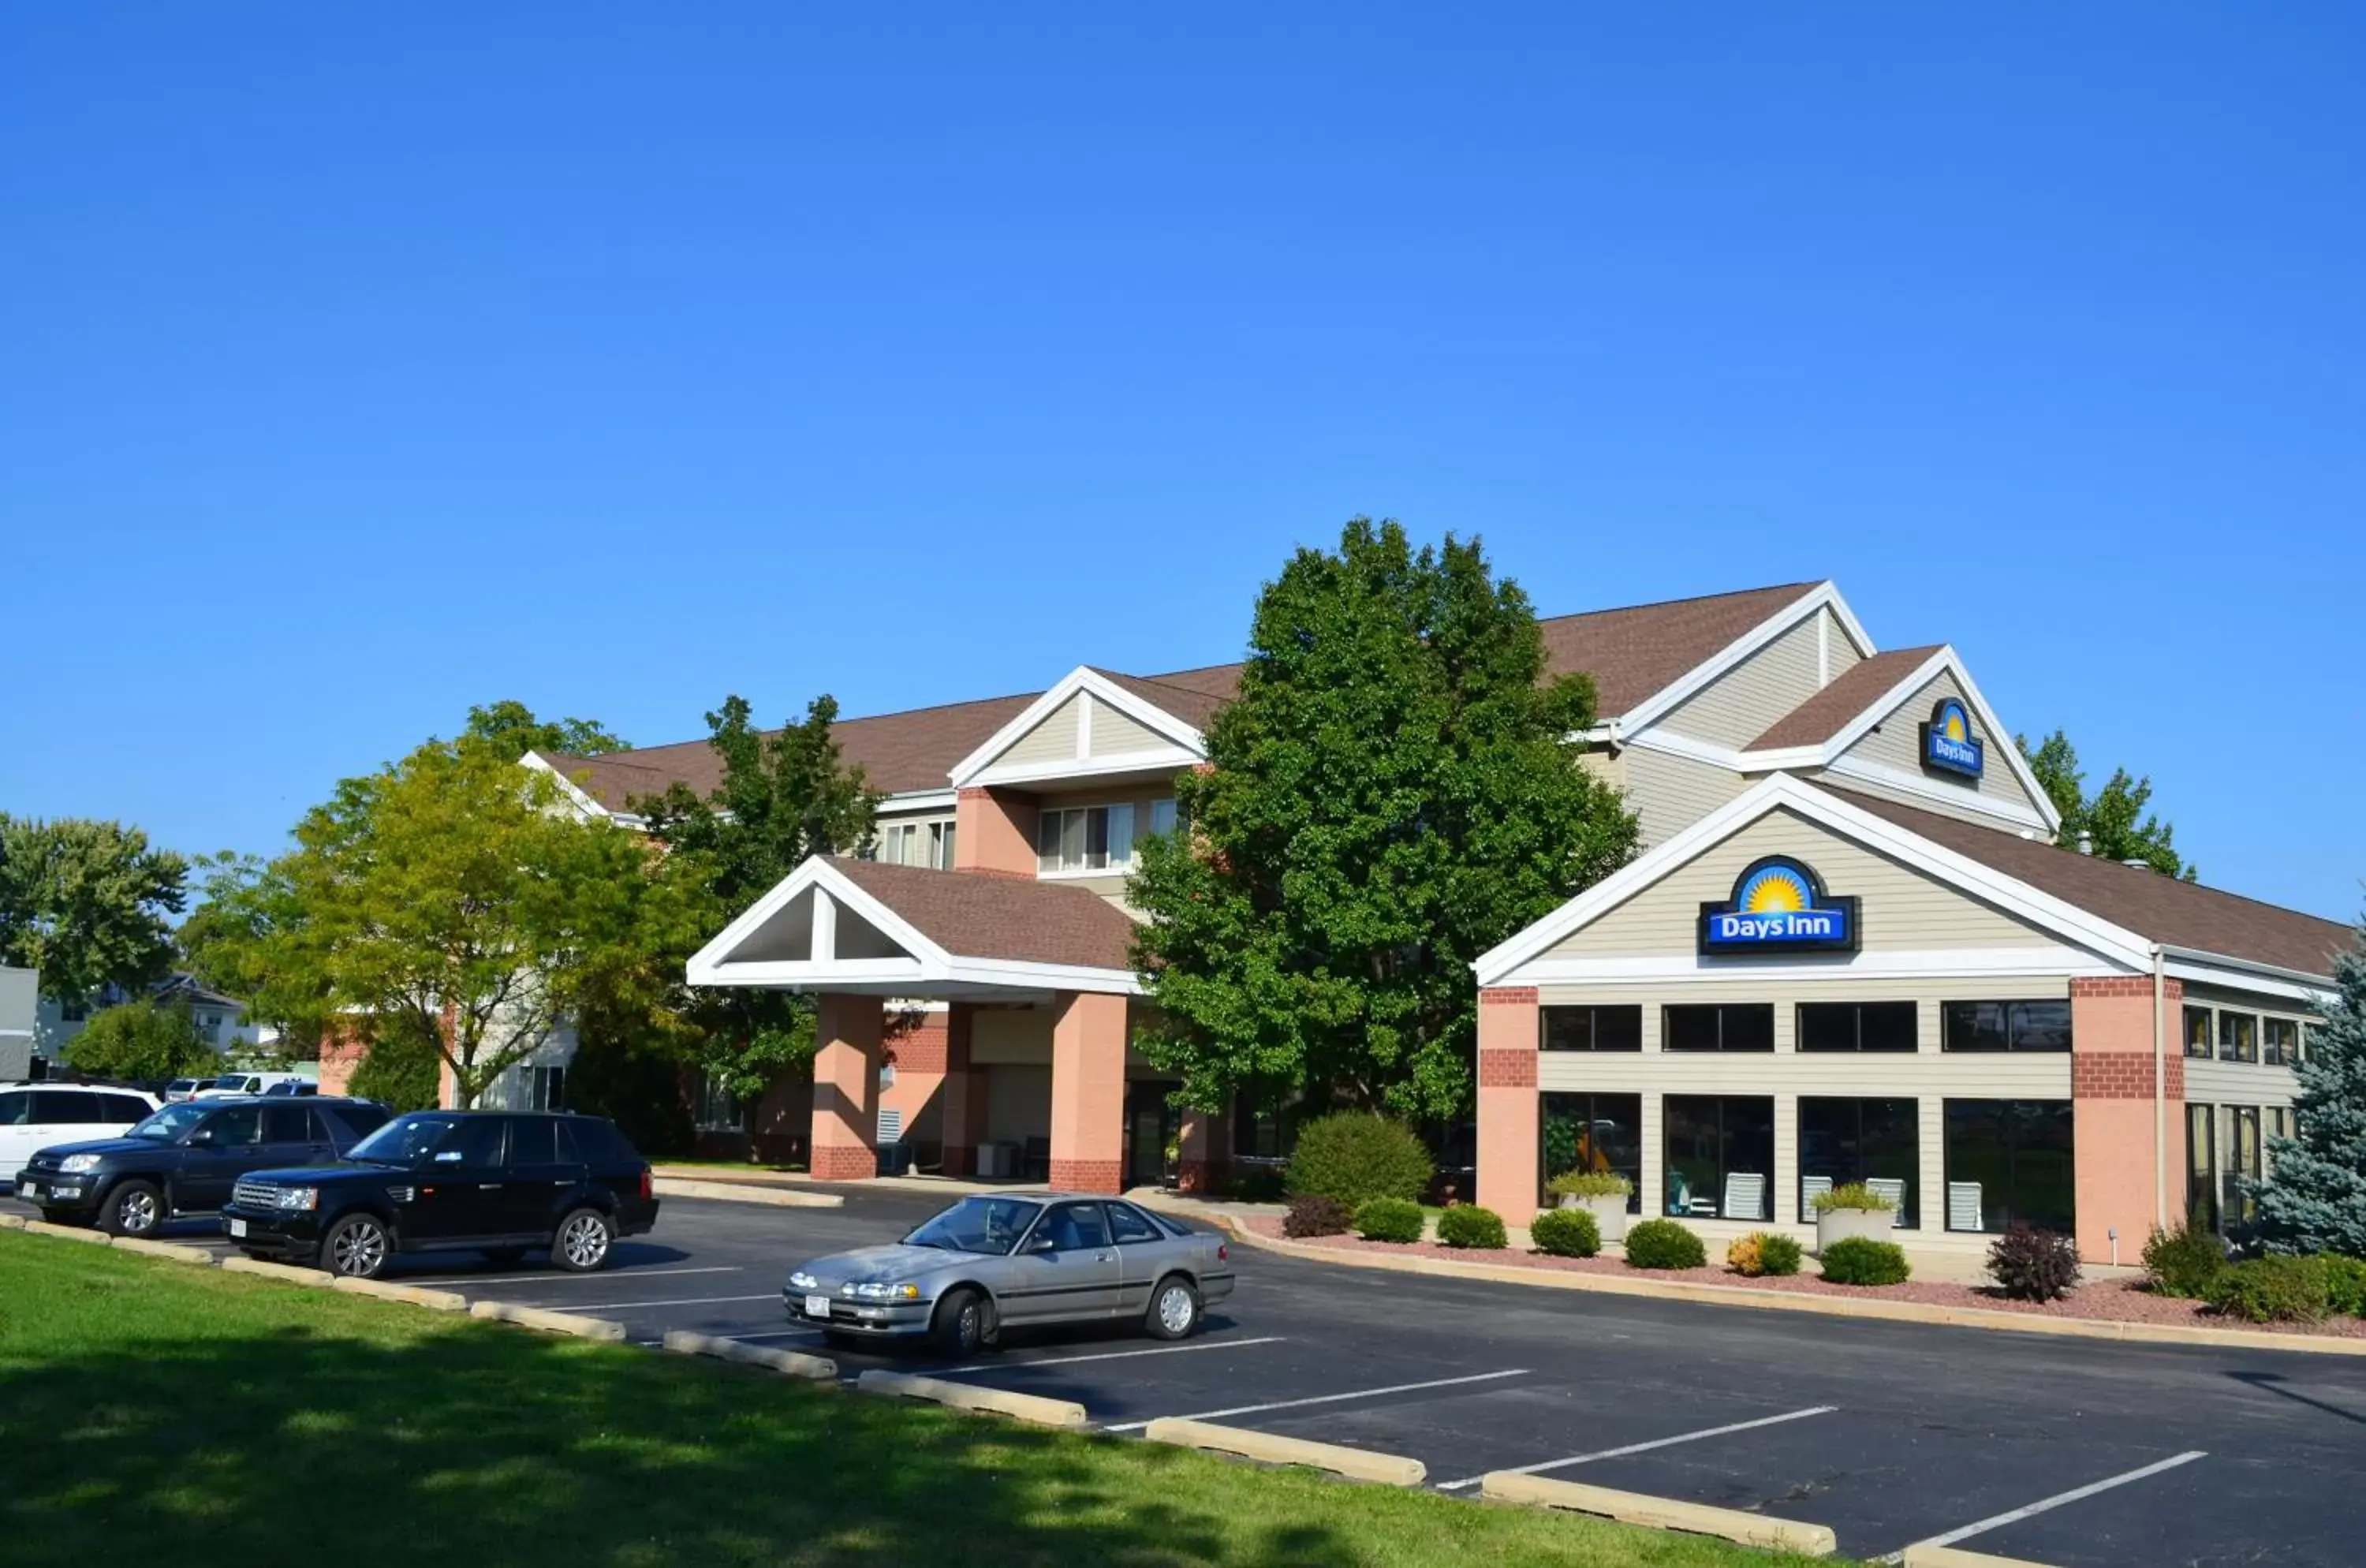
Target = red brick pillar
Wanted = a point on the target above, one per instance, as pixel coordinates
(994, 832)
(2111, 1112)
(1507, 1101)
(846, 1085)
(1088, 1091)
(962, 1120)
(1196, 1133)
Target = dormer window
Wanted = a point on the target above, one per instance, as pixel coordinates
(1092, 838)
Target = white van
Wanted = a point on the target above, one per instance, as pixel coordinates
(35, 1115)
(247, 1083)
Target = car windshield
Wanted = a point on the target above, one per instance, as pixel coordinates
(405, 1141)
(167, 1125)
(977, 1225)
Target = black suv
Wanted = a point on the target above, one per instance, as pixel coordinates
(186, 1158)
(501, 1184)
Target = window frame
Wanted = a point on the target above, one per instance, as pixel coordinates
(1949, 1035)
(2209, 1033)
(1912, 1009)
(2278, 1042)
(1725, 1168)
(1592, 1012)
(2231, 1021)
(1110, 815)
(1667, 1032)
(1547, 1112)
(2013, 1146)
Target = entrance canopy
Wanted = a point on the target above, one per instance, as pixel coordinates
(862, 929)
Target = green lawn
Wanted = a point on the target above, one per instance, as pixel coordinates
(151, 1412)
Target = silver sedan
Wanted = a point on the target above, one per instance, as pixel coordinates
(1018, 1260)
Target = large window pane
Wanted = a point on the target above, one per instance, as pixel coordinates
(1120, 835)
(2040, 1025)
(2242, 1158)
(2201, 1166)
(2197, 1032)
(1856, 1026)
(1596, 1133)
(1721, 1156)
(1842, 1141)
(2007, 1160)
(1730, 1027)
(2239, 1037)
(1072, 840)
(1592, 1029)
(1047, 840)
(1975, 1026)
(2278, 1042)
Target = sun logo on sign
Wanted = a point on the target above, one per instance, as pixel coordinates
(1953, 723)
(1775, 890)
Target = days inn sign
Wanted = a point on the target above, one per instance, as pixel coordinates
(1948, 744)
(1779, 905)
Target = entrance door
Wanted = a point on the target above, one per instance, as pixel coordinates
(1150, 1126)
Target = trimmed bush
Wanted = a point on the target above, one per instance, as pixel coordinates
(1388, 1219)
(1663, 1243)
(1855, 1195)
(1353, 1155)
(1565, 1233)
(2184, 1261)
(2274, 1289)
(1763, 1252)
(1467, 1224)
(2034, 1264)
(1317, 1216)
(1861, 1261)
(2346, 1284)
(1589, 1184)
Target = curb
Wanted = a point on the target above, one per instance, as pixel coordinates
(1825, 1306)
(67, 1233)
(414, 1295)
(12, 1222)
(1661, 1513)
(744, 1192)
(1356, 1465)
(548, 1321)
(683, 1343)
(962, 1396)
(1956, 1557)
(173, 1250)
(279, 1272)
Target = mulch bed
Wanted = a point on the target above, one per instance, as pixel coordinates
(2109, 1301)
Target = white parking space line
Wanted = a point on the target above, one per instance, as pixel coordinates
(1110, 1355)
(1997, 1521)
(556, 1277)
(689, 1301)
(1330, 1398)
(1646, 1447)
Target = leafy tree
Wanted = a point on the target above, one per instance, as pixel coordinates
(402, 1069)
(509, 729)
(140, 1041)
(2314, 1198)
(784, 798)
(1392, 794)
(2113, 819)
(86, 904)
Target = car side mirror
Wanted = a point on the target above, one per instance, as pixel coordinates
(1041, 1242)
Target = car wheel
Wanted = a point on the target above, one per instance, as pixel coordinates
(960, 1326)
(133, 1209)
(1174, 1309)
(583, 1240)
(359, 1247)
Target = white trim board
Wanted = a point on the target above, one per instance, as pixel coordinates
(1955, 964)
(1084, 679)
(1825, 595)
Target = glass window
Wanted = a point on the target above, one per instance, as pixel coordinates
(2278, 1042)
(2007, 1160)
(1842, 1141)
(1732, 1026)
(2042, 1025)
(1162, 817)
(1856, 1026)
(533, 1140)
(717, 1111)
(546, 1089)
(1075, 1227)
(359, 1117)
(16, 1109)
(2197, 1032)
(2241, 1149)
(1127, 1226)
(2201, 1166)
(940, 845)
(123, 1108)
(64, 1108)
(1596, 1133)
(236, 1127)
(1258, 1133)
(1592, 1029)
(990, 1225)
(1721, 1156)
(472, 1141)
(1091, 838)
(286, 1124)
(2239, 1037)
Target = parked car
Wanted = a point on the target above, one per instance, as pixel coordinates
(185, 1158)
(34, 1115)
(180, 1090)
(501, 1184)
(1011, 1259)
(293, 1085)
(249, 1083)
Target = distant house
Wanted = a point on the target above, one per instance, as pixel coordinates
(221, 1019)
(19, 1010)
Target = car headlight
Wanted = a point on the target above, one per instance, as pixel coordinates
(802, 1280)
(883, 1290)
(79, 1164)
(299, 1197)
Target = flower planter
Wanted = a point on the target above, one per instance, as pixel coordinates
(1609, 1215)
(1838, 1225)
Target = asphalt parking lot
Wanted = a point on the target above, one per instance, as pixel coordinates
(2064, 1451)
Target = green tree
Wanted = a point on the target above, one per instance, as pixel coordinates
(138, 1041)
(401, 1069)
(87, 904)
(509, 729)
(2113, 819)
(784, 798)
(1392, 794)
(2314, 1198)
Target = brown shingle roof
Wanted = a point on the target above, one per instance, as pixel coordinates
(2160, 909)
(1828, 713)
(1635, 652)
(1007, 918)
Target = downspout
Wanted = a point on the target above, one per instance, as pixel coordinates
(2159, 1088)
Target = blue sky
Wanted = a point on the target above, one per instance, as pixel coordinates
(363, 364)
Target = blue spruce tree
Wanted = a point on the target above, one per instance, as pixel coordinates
(2316, 1199)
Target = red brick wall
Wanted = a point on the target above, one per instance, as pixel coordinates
(1508, 1068)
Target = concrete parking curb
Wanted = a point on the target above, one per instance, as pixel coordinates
(683, 1343)
(282, 1272)
(1660, 1513)
(743, 1192)
(67, 1233)
(173, 1250)
(12, 1222)
(1956, 1557)
(965, 1396)
(413, 1295)
(548, 1321)
(1356, 1465)
(1825, 1306)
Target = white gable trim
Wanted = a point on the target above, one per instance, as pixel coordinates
(977, 768)
(1944, 662)
(583, 805)
(1506, 964)
(1825, 596)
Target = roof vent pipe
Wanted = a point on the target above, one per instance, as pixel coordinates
(2085, 843)
(2138, 862)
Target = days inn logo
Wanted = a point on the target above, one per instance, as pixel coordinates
(1779, 905)
(1948, 744)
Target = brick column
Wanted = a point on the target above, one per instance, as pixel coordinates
(1507, 1101)
(962, 1120)
(1088, 1091)
(1196, 1131)
(846, 1085)
(994, 832)
(2111, 1111)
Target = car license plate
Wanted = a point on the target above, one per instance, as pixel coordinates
(817, 1306)
(29, 1189)
(238, 1227)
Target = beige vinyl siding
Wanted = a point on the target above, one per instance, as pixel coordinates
(1054, 740)
(1897, 744)
(1840, 650)
(1115, 735)
(1903, 910)
(1741, 705)
(1669, 793)
(1605, 764)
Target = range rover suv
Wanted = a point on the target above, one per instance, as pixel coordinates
(502, 1183)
